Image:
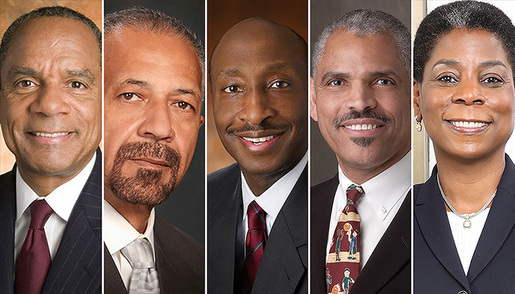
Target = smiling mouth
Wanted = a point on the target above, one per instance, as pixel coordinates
(361, 127)
(468, 124)
(50, 135)
(259, 140)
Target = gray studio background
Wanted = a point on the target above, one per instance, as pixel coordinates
(323, 160)
(185, 206)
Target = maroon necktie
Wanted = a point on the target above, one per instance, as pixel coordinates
(256, 240)
(343, 263)
(34, 259)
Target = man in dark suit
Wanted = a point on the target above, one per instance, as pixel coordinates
(361, 100)
(153, 101)
(258, 83)
(50, 72)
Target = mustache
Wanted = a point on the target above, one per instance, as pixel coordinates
(145, 149)
(249, 127)
(368, 113)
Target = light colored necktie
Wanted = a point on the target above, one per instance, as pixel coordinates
(343, 263)
(144, 277)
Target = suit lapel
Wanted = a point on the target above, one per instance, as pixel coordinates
(7, 220)
(113, 283)
(222, 229)
(322, 197)
(76, 266)
(284, 260)
(434, 226)
(394, 243)
(499, 223)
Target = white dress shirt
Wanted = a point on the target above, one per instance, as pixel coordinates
(383, 197)
(118, 233)
(272, 200)
(61, 200)
(466, 239)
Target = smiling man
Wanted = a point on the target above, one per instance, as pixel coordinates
(257, 208)
(152, 110)
(360, 97)
(50, 111)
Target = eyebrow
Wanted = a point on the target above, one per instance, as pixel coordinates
(334, 75)
(82, 73)
(492, 63)
(386, 73)
(447, 62)
(186, 92)
(142, 84)
(18, 70)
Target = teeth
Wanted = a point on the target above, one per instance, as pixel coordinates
(259, 141)
(50, 135)
(468, 124)
(363, 127)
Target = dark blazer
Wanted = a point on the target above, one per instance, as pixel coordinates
(179, 263)
(283, 267)
(387, 270)
(76, 267)
(437, 266)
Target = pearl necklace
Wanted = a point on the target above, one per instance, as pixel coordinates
(466, 224)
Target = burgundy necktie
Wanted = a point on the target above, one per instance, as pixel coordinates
(256, 240)
(34, 259)
(343, 263)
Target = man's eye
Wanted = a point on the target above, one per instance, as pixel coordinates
(77, 85)
(231, 89)
(279, 84)
(183, 105)
(26, 84)
(336, 83)
(130, 96)
(385, 82)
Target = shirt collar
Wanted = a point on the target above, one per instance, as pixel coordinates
(61, 200)
(273, 198)
(395, 179)
(118, 232)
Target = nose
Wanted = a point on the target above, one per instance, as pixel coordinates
(469, 92)
(51, 100)
(257, 107)
(158, 122)
(360, 98)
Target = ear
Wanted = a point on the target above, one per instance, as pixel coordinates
(201, 120)
(416, 100)
(312, 100)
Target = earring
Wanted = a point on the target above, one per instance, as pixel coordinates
(419, 124)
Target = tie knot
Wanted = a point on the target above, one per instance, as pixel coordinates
(354, 193)
(40, 211)
(256, 216)
(139, 254)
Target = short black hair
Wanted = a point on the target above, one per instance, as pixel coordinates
(49, 11)
(471, 15)
(150, 20)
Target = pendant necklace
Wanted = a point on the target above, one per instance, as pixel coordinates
(466, 224)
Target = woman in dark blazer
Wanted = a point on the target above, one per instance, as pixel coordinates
(464, 230)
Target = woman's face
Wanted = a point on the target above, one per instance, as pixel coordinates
(466, 98)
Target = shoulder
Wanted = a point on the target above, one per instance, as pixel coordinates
(170, 235)
(227, 173)
(328, 186)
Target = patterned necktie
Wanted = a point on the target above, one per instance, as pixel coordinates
(256, 241)
(144, 277)
(342, 266)
(34, 259)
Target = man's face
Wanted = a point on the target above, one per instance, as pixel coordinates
(259, 90)
(50, 103)
(152, 116)
(362, 101)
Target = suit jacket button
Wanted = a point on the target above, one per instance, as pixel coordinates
(462, 292)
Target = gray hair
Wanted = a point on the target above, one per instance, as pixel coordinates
(149, 20)
(366, 22)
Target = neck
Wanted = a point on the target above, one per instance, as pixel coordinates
(137, 215)
(468, 184)
(361, 173)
